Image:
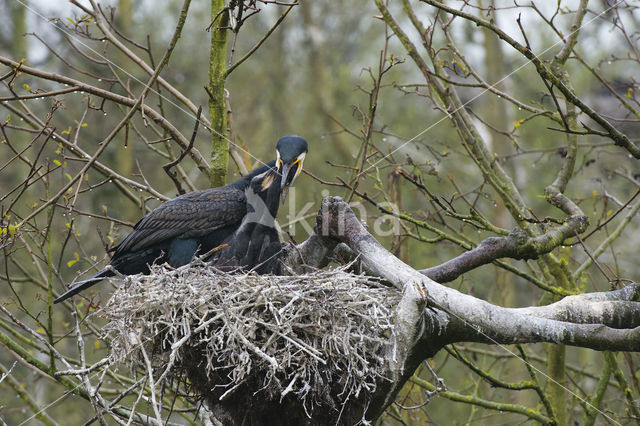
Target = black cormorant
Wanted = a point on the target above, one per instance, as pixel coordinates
(239, 215)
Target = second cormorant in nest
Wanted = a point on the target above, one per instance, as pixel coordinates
(240, 215)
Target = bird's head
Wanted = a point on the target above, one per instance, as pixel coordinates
(290, 153)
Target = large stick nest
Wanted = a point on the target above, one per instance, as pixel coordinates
(315, 339)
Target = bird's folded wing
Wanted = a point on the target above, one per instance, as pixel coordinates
(188, 216)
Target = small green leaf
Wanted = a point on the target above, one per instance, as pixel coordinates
(74, 260)
(9, 229)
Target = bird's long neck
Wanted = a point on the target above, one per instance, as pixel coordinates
(264, 202)
(244, 181)
(271, 196)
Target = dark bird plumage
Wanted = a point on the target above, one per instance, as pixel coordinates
(255, 244)
(240, 215)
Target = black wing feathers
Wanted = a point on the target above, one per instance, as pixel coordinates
(190, 215)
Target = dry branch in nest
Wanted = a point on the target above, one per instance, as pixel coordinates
(314, 340)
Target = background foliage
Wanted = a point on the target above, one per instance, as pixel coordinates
(334, 73)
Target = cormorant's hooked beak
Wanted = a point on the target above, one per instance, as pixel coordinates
(284, 187)
(284, 169)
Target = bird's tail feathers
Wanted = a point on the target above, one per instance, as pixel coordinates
(85, 284)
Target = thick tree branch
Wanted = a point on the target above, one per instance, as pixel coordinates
(583, 320)
(430, 316)
(516, 245)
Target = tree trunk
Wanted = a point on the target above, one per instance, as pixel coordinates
(217, 58)
(19, 21)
